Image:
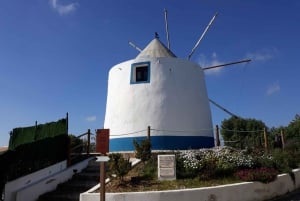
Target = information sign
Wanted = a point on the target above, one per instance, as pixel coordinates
(102, 141)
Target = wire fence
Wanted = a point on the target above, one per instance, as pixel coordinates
(130, 133)
(257, 138)
(156, 130)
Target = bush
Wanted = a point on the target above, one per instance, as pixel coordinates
(149, 170)
(238, 159)
(211, 163)
(264, 175)
(224, 169)
(284, 162)
(265, 160)
(215, 163)
(143, 150)
(118, 165)
(187, 165)
(208, 170)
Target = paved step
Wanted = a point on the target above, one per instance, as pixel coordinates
(93, 168)
(86, 176)
(59, 196)
(76, 186)
(79, 183)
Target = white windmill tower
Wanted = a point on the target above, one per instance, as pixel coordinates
(158, 89)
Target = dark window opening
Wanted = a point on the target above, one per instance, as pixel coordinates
(141, 74)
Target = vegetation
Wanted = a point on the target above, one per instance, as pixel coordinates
(118, 165)
(143, 150)
(263, 174)
(209, 164)
(241, 133)
(243, 159)
(208, 167)
(248, 133)
(76, 143)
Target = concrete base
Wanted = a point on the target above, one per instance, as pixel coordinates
(246, 191)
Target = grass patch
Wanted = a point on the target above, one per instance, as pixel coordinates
(143, 177)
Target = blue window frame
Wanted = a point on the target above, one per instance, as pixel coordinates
(140, 73)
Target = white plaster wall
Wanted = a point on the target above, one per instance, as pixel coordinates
(246, 191)
(175, 99)
(30, 187)
(13, 186)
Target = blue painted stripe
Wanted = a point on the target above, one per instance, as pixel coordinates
(163, 143)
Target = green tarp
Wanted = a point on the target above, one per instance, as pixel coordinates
(20, 136)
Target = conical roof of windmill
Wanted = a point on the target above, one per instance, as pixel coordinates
(156, 49)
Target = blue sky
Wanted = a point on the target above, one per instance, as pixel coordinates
(55, 56)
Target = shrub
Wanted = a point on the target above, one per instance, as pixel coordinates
(143, 150)
(208, 169)
(239, 159)
(187, 164)
(224, 168)
(264, 175)
(119, 165)
(207, 163)
(265, 160)
(211, 163)
(149, 170)
(283, 161)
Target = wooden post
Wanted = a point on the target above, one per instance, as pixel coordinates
(265, 139)
(102, 147)
(282, 139)
(102, 181)
(69, 151)
(67, 119)
(88, 142)
(148, 132)
(217, 136)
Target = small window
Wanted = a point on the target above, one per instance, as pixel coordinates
(140, 73)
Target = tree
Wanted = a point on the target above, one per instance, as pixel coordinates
(119, 165)
(274, 139)
(242, 133)
(293, 129)
(143, 150)
(292, 135)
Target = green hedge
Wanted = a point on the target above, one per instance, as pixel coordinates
(25, 135)
(28, 158)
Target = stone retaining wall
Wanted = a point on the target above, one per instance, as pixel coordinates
(245, 191)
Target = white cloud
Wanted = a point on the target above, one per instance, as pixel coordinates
(204, 62)
(63, 9)
(274, 88)
(91, 118)
(262, 55)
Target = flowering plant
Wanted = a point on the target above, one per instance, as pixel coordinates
(208, 163)
(262, 174)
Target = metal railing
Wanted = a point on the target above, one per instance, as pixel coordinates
(81, 147)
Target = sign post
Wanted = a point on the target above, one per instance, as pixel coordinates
(102, 147)
(102, 141)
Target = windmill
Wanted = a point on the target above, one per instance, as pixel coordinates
(161, 93)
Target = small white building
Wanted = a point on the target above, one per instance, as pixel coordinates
(159, 90)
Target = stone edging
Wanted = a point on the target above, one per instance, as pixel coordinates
(246, 191)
